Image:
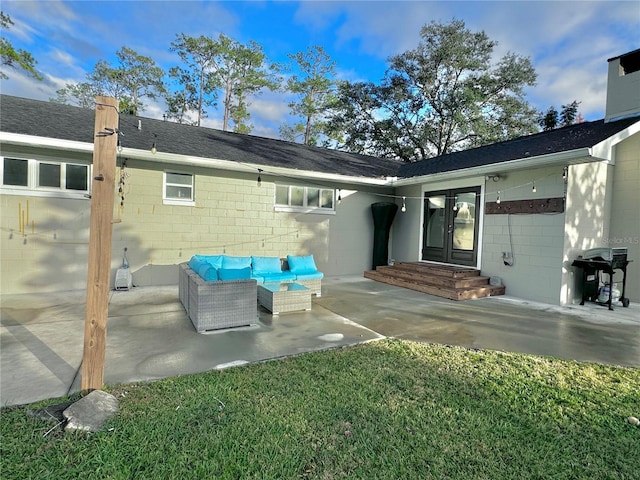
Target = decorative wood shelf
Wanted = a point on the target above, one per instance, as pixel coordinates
(534, 205)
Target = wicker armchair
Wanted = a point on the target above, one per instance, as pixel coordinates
(219, 304)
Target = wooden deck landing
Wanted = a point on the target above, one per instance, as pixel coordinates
(453, 282)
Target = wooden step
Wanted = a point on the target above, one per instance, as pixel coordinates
(451, 271)
(411, 275)
(452, 282)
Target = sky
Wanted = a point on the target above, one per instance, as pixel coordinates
(568, 42)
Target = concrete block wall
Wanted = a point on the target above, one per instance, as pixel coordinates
(231, 215)
(43, 243)
(535, 241)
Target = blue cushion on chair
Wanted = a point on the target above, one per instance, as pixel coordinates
(214, 260)
(263, 265)
(309, 276)
(301, 265)
(234, 273)
(196, 262)
(209, 273)
(236, 262)
(278, 277)
(258, 278)
(204, 266)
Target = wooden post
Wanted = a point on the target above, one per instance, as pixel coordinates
(100, 233)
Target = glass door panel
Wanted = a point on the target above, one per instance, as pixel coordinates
(451, 226)
(464, 221)
(435, 212)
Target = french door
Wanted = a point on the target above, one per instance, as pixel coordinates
(451, 226)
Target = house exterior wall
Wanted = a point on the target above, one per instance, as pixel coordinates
(406, 231)
(624, 227)
(232, 215)
(350, 234)
(535, 241)
(52, 252)
(586, 223)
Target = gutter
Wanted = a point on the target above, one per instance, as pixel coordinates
(45, 142)
(181, 160)
(570, 157)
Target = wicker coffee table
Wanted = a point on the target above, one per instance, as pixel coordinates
(284, 297)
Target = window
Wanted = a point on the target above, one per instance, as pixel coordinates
(43, 178)
(294, 198)
(15, 172)
(178, 188)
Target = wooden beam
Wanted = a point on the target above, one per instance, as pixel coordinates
(534, 205)
(100, 233)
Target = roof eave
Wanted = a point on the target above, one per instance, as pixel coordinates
(266, 170)
(45, 142)
(181, 160)
(604, 149)
(579, 155)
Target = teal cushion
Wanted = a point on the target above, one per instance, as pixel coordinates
(301, 265)
(309, 276)
(204, 266)
(278, 277)
(234, 273)
(196, 262)
(213, 260)
(236, 262)
(262, 265)
(209, 274)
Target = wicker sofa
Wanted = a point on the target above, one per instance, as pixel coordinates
(213, 305)
(299, 269)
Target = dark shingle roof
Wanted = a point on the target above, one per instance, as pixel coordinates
(581, 135)
(54, 120)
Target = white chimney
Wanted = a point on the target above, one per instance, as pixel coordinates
(623, 87)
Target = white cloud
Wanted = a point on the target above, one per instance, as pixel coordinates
(568, 41)
(274, 108)
(21, 85)
(63, 58)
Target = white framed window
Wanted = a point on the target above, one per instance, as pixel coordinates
(35, 177)
(178, 188)
(296, 198)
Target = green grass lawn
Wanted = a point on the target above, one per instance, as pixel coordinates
(384, 410)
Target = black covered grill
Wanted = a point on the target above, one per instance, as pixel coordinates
(606, 260)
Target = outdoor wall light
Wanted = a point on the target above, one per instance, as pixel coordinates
(260, 177)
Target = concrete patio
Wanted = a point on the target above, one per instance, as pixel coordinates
(149, 335)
